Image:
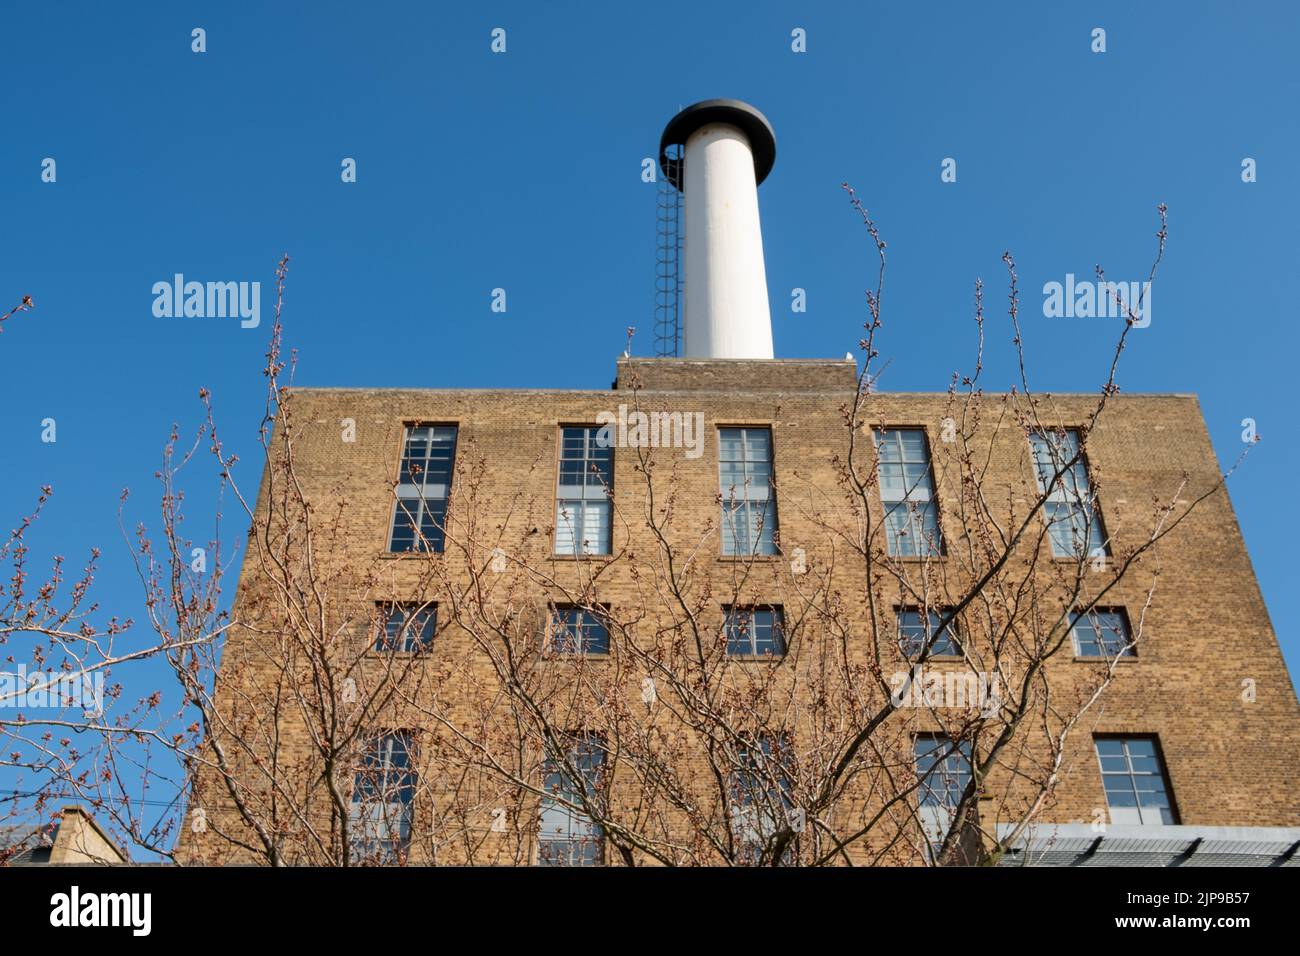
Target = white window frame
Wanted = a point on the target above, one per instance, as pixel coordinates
(559, 633)
(931, 618)
(738, 620)
(753, 494)
(426, 496)
(1096, 624)
(383, 799)
(1137, 814)
(1071, 493)
(914, 501)
(565, 833)
(584, 512)
(410, 639)
(761, 796)
(936, 805)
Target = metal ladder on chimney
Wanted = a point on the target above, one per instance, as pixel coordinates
(669, 239)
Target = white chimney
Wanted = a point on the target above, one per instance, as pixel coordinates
(729, 148)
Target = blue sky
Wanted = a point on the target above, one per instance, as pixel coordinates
(522, 171)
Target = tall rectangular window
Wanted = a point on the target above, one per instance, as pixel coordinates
(423, 487)
(748, 498)
(943, 771)
(1102, 633)
(567, 835)
(761, 795)
(582, 501)
(907, 493)
(1070, 509)
(916, 630)
(1134, 777)
(406, 627)
(382, 797)
(577, 630)
(754, 631)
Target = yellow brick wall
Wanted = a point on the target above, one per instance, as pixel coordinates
(1229, 762)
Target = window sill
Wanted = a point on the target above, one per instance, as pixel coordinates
(1100, 659)
(580, 557)
(759, 558)
(407, 555)
(755, 658)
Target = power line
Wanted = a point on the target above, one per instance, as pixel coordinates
(19, 794)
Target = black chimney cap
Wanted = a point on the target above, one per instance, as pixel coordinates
(762, 139)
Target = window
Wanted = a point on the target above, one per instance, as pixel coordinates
(915, 630)
(943, 769)
(582, 502)
(1134, 777)
(754, 631)
(423, 485)
(380, 815)
(406, 627)
(577, 630)
(567, 836)
(760, 794)
(907, 493)
(1070, 510)
(1102, 634)
(748, 499)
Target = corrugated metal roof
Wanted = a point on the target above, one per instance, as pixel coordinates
(1079, 844)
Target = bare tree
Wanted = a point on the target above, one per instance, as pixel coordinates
(327, 718)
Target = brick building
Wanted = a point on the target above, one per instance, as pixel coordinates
(735, 609)
(76, 839)
(1201, 713)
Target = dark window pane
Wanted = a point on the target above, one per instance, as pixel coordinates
(1102, 633)
(944, 770)
(907, 493)
(755, 632)
(1074, 526)
(566, 835)
(576, 630)
(406, 628)
(1134, 781)
(382, 796)
(583, 522)
(424, 484)
(916, 629)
